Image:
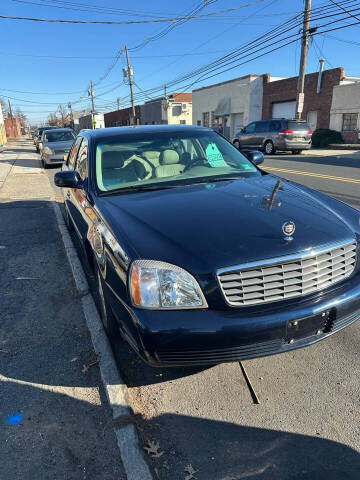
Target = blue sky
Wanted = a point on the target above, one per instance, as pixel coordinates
(29, 51)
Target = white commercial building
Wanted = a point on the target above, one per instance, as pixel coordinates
(345, 111)
(228, 106)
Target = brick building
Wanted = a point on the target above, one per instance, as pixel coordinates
(12, 127)
(279, 97)
(122, 117)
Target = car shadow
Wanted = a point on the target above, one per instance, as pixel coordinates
(217, 450)
(341, 160)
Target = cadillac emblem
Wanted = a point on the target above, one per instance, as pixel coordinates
(288, 229)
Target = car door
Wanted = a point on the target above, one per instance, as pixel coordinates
(262, 133)
(78, 196)
(246, 139)
(70, 165)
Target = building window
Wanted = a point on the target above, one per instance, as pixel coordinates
(349, 121)
(182, 122)
(206, 119)
(198, 122)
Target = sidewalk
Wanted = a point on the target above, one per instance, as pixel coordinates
(55, 419)
(328, 152)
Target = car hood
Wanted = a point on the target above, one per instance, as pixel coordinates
(208, 226)
(59, 145)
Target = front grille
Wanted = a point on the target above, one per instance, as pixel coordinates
(287, 277)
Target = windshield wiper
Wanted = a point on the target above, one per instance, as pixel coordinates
(213, 180)
(138, 188)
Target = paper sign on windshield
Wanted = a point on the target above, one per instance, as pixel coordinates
(214, 156)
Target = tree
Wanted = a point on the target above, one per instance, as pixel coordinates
(64, 116)
(4, 106)
(21, 116)
(53, 120)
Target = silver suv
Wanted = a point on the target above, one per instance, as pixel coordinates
(272, 135)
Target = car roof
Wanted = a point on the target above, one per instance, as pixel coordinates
(139, 129)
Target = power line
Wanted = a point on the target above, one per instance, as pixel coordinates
(124, 22)
(344, 9)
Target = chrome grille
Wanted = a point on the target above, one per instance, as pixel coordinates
(287, 277)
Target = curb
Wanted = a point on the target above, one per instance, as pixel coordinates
(116, 390)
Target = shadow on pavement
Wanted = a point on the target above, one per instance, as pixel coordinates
(55, 422)
(215, 450)
(341, 160)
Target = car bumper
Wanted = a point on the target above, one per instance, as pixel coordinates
(285, 144)
(198, 337)
(54, 159)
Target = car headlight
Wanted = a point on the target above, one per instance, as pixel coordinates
(160, 285)
(48, 151)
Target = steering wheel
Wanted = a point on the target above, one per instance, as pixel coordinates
(201, 161)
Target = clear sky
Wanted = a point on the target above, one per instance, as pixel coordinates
(32, 53)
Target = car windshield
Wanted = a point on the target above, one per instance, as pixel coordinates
(59, 137)
(156, 159)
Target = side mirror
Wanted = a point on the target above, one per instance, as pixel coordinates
(254, 156)
(69, 179)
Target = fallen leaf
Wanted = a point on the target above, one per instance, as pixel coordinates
(191, 472)
(86, 367)
(152, 449)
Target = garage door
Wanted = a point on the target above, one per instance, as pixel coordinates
(284, 110)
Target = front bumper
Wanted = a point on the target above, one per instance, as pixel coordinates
(198, 337)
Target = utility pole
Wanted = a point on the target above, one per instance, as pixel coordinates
(91, 93)
(10, 109)
(165, 95)
(118, 102)
(304, 50)
(71, 115)
(130, 75)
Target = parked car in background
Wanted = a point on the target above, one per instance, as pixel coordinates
(38, 134)
(272, 135)
(201, 257)
(55, 144)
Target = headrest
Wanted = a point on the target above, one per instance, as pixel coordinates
(169, 157)
(112, 159)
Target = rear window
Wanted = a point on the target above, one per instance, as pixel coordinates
(59, 136)
(298, 126)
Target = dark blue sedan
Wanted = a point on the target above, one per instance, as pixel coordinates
(200, 256)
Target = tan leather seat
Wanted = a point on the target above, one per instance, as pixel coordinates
(169, 164)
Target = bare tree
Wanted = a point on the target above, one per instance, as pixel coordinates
(53, 120)
(21, 116)
(4, 106)
(64, 116)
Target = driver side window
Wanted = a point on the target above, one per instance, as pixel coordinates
(73, 152)
(250, 128)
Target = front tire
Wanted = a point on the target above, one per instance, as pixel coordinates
(269, 148)
(107, 317)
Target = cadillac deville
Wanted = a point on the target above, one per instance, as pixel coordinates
(200, 256)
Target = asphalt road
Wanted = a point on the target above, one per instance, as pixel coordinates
(204, 423)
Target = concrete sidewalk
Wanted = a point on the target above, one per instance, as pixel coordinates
(55, 419)
(328, 152)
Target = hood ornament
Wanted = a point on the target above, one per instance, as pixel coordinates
(288, 229)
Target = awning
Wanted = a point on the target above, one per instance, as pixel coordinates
(223, 107)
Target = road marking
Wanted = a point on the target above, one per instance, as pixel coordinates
(309, 174)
